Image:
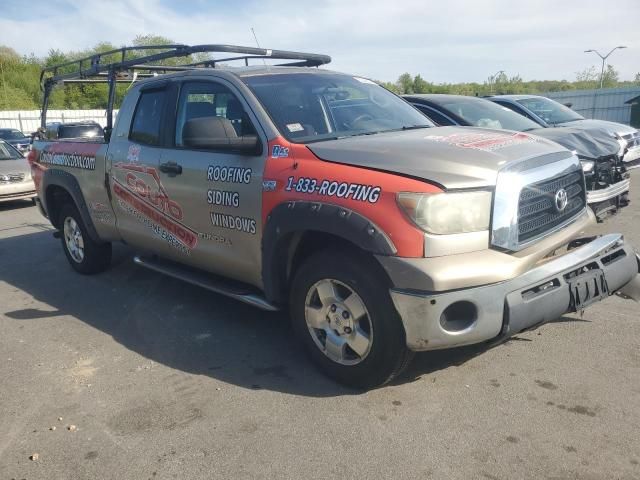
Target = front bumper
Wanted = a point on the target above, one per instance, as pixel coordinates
(541, 294)
(17, 191)
(612, 191)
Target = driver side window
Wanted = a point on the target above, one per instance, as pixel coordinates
(210, 105)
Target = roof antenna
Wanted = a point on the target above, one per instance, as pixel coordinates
(257, 43)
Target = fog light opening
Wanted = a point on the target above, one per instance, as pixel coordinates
(458, 316)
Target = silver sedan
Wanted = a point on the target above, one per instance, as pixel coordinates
(15, 175)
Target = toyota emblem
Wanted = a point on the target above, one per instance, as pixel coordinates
(561, 200)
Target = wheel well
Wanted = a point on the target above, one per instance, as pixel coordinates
(294, 248)
(56, 197)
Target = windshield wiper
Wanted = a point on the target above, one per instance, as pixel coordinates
(374, 132)
(414, 127)
(567, 121)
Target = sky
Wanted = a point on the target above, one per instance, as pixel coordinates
(444, 41)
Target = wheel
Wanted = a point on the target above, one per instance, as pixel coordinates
(343, 314)
(84, 255)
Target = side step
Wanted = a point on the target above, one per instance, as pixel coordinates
(229, 288)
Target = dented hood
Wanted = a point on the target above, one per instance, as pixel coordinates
(453, 157)
(592, 143)
(611, 127)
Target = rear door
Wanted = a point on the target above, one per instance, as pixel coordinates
(218, 193)
(145, 218)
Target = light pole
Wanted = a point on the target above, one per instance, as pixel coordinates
(604, 59)
(492, 78)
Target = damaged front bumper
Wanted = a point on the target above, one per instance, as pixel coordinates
(586, 274)
(608, 193)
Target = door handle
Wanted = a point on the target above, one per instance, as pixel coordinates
(172, 168)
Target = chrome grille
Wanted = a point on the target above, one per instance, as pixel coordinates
(537, 212)
(12, 177)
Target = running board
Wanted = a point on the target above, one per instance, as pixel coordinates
(229, 288)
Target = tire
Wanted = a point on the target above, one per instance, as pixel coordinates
(91, 257)
(368, 365)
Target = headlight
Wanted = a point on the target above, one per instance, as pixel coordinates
(447, 213)
(587, 165)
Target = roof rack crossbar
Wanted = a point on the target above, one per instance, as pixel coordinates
(99, 65)
(50, 75)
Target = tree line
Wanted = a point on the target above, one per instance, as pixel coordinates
(20, 76)
(20, 80)
(503, 84)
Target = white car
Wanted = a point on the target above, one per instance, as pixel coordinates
(15, 175)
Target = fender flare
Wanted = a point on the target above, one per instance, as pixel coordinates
(68, 182)
(300, 217)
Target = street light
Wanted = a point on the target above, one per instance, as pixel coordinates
(604, 59)
(493, 77)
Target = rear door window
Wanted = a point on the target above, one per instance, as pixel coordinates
(147, 119)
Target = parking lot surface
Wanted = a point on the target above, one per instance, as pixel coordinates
(130, 374)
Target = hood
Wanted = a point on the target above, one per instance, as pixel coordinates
(611, 127)
(453, 157)
(592, 143)
(19, 165)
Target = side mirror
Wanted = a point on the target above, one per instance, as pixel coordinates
(217, 133)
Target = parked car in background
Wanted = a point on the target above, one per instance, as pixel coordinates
(16, 138)
(549, 113)
(605, 173)
(15, 175)
(88, 129)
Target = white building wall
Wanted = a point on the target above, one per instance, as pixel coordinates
(29, 120)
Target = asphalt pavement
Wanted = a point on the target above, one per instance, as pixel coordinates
(133, 375)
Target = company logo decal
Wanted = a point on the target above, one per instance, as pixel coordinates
(278, 151)
(150, 204)
(483, 141)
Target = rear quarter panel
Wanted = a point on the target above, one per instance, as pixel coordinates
(86, 162)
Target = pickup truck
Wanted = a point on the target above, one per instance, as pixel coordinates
(289, 187)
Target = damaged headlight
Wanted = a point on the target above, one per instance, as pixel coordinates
(587, 165)
(447, 213)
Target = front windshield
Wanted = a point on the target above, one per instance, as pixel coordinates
(550, 111)
(311, 107)
(484, 113)
(7, 152)
(11, 134)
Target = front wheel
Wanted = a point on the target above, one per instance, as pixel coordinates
(84, 255)
(342, 312)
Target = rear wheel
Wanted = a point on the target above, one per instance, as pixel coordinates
(342, 312)
(84, 255)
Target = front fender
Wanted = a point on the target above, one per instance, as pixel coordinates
(299, 216)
